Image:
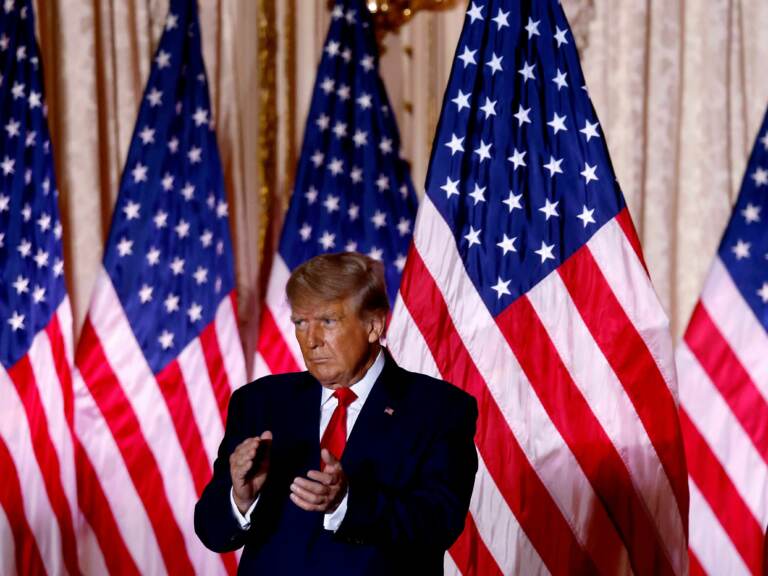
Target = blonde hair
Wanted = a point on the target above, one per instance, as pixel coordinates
(337, 276)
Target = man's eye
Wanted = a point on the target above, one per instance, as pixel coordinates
(329, 321)
(299, 323)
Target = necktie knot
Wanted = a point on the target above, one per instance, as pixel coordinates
(345, 396)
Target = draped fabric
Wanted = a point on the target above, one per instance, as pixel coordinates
(677, 85)
(680, 92)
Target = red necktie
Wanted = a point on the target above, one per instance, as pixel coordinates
(335, 436)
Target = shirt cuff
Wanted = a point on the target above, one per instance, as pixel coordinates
(333, 520)
(245, 519)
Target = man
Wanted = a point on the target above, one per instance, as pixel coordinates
(354, 467)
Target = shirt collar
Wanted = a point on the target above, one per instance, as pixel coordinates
(362, 387)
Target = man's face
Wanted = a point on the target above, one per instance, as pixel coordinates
(338, 346)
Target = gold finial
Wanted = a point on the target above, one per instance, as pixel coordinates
(391, 15)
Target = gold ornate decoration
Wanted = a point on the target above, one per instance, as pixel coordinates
(267, 149)
(391, 15)
(290, 103)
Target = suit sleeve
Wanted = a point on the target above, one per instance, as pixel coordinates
(430, 512)
(215, 524)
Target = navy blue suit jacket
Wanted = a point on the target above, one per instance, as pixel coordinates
(410, 462)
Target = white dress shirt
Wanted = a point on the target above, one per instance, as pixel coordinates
(328, 403)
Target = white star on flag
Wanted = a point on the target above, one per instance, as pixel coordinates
(450, 187)
(557, 123)
(586, 216)
(517, 159)
(507, 244)
(501, 19)
(495, 64)
(589, 173)
(478, 194)
(455, 144)
(522, 116)
(484, 150)
(590, 130)
(473, 236)
(545, 252)
(741, 249)
(513, 201)
(468, 57)
(549, 209)
(554, 166)
(532, 28)
(475, 12)
(139, 173)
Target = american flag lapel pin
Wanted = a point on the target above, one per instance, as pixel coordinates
(389, 411)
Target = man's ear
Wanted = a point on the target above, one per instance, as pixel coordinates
(377, 321)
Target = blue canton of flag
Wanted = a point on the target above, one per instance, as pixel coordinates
(31, 262)
(353, 191)
(519, 168)
(745, 240)
(169, 252)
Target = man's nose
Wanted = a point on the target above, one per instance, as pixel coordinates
(314, 336)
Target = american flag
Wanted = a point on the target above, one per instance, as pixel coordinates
(38, 494)
(353, 191)
(526, 287)
(159, 354)
(722, 365)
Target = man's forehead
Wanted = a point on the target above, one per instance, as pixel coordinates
(319, 307)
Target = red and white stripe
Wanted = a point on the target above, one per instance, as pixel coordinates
(581, 459)
(723, 372)
(277, 350)
(38, 493)
(146, 442)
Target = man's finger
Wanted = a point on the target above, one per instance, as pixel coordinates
(241, 473)
(308, 495)
(244, 465)
(240, 458)
(322, 477)
(304, 505)
(240, 450)
(245, 459)
(311, 486)
(247, 453)
(248, 442)
(237, 459)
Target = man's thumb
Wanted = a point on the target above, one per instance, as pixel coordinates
(327, 457)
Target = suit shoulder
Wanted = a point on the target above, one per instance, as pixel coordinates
(268, 386)
(440, 391)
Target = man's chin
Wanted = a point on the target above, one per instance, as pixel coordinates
(325, 378)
